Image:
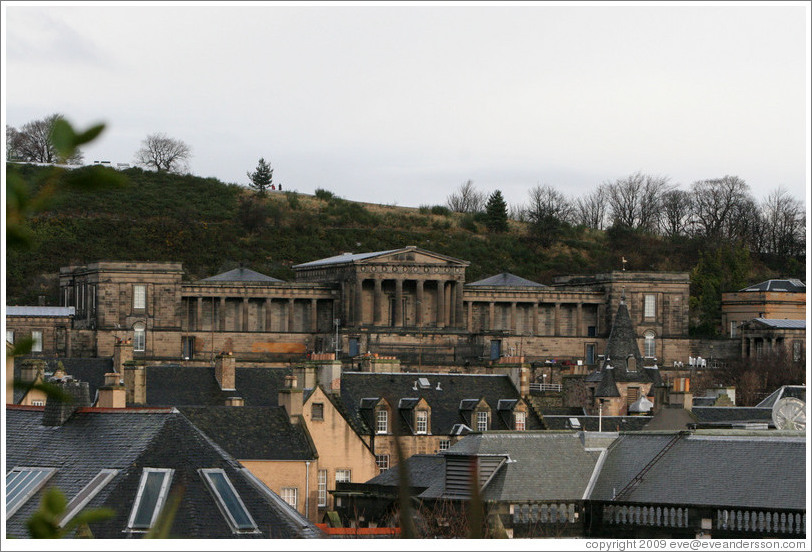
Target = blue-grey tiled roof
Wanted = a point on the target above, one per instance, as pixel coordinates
(344, 258)
(41, 311)
(782, 323)
(506, 279)
(792, 285)
(241, 275)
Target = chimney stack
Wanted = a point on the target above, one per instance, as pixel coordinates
(224, 371)
(122, 354)
(291, 398)
(135, 384)
(113, 393)
(57, 411)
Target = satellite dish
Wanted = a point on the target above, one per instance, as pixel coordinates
(790, 413)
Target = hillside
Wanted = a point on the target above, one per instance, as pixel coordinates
(211, 227)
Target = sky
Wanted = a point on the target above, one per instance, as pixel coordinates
(400, 104)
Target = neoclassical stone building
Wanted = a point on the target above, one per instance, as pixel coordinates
(409, 302)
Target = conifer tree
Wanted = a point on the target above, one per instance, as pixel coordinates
(262, 178)
(496, 216)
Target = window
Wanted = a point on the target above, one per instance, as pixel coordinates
(322, 480)
(444, 444)
(229, 502)
(649, 345)
(139, 337)
(519, 419)
(649, 305)
(291, 496)
(10, 336)
(317, 411)
(421, 421)
(38, 403)
(86, 495)
(382, 421)
(139, 296)
(36, 338)
(632, 394)
(22, 484)
(482, 421)
(733, 327)
(382, 460)
(152, 491)
(343, 476)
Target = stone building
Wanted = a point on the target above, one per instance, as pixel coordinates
(409, 302)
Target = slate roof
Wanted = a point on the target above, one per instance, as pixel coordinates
(592, 423)
(41, 311)
(738, 470)
(445, 403)
(344, 258)
(424, 470)
(732, 414)
(792, 285)
(130, 440)
(175, 385)
(779, 323)
(91, 370)
(506, 279)
(795, 391)
(241, 275)
(252, 432)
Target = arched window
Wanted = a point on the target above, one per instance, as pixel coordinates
(139, 337)
(649, 346)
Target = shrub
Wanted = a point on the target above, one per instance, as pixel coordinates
(293, 200)
(440, 210)
(324, 195)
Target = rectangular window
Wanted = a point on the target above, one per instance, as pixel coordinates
(322, 488)
(139, 340)
(482, 421)
(91, 294)
(649, 306)
(382, 460)
(37, 403)
(421, 421)
(632, 394)
(86, 494)
(382, 422)
(797, 351)
(520, 420)
(10, 336)
(291, 496)
(36, 338)
(139, 296)
(444, 444)
(152, 491)
(733, 327)
(343, 476)
(317, 411)
(229, 502)
(22, 484)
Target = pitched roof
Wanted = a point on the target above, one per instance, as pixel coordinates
(344, 258)
(506, 279)
(252, 432)
(738, 469)
(444, 402)
(792, 285)
(130, 440)
(91, 370)
(778, 323)
(41, 311)
(241, 275)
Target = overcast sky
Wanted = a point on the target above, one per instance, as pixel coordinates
(401, 104)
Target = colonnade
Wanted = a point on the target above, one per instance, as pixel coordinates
(214, 310)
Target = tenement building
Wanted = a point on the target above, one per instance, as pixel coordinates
(409, 303)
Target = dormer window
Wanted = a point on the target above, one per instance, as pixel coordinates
(421, 422)
(519, 421)
(22, 484)
(382, 421)
(482, 420)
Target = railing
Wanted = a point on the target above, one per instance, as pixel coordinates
(545, 513)
(762, 522)
(645, 515)
(545, 387)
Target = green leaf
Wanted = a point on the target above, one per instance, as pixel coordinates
(86, 517)
(54, 501)
(89, 135)
(63, 138)
(24, 345)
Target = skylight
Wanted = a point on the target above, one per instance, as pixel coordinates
(424, 383)
(575, 422)
(152, 491)
(228, 500)
(86, 494)
(22, 484)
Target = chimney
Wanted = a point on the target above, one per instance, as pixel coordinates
(135, 384)
(291, 398)
(224, 371)
(57, 411)
(306, 374)
(235, 401)
(680, 394)
(329, 375)
(122, 354)
(113, 393)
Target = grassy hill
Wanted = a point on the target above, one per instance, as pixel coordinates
(211, 227)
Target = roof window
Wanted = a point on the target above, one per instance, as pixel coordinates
(229, 502)
(152, 491)
(22, 483)
(86, 495)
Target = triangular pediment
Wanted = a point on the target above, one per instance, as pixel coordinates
(413, 255)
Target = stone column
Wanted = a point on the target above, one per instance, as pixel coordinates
(512, 325)
(469, 325)
(398, 303)
(245, 314)
(419, 307)
(268, 314)
(346, 300)
(557, 320)
(199, 315)
(491, 315)
(440, 304)
(579, 320)
(377, 302)
(359, 305)
(314, 315)
(222, 314)
(291, 315)
(535, 330)
(459, 309)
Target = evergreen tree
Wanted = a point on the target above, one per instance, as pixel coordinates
(496, 213)
(262, 178)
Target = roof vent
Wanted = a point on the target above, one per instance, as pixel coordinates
(414, 387)
(438, 387)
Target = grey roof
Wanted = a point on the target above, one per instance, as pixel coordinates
(130, 440)
(91, 370)
(592, 423)
(344, 258)
(506, 279)
(794, 391)
(241, 275)
(781, 323)
(424, 470)
(738, 469)
(41, 311)
(732, 414)
(792, 285)
(543, 465)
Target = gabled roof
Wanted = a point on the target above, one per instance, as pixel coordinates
(352, 258)
(252, 432)
(777, 323)
(41, 311)
(241, 275)
(791, 285)
(445, 403)
(506, 279)
(734, 469)
(91, 370)
(129, 440)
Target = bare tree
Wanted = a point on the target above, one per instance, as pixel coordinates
(164, 154)
(548, 213)
(33, 143)
(467, 199)
(590, 210)
(675, 206)
(716, 201)
(784, 224)
(634, 201)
